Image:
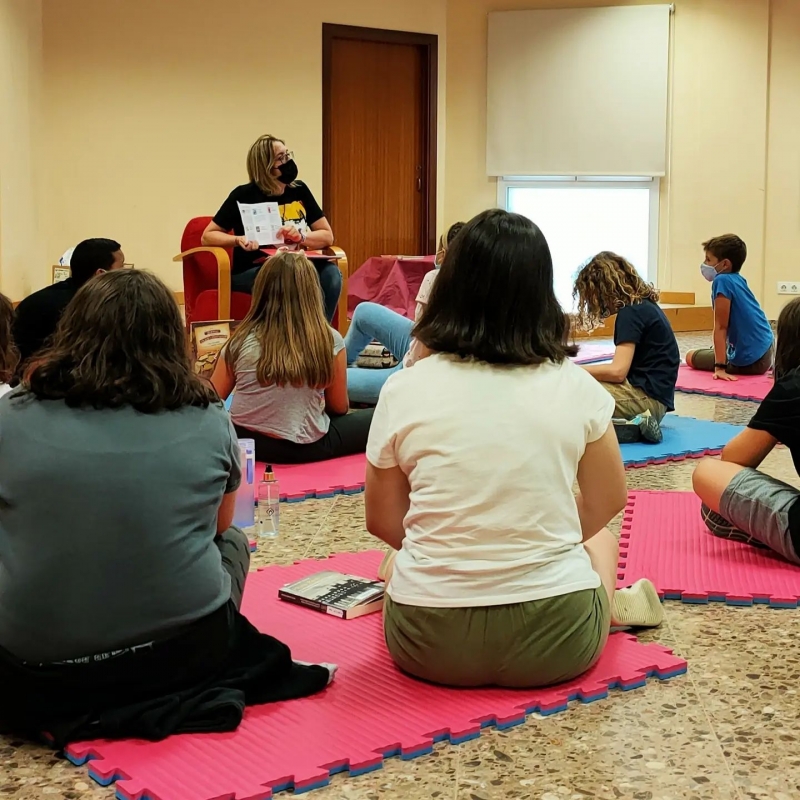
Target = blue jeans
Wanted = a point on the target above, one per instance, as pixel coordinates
(372, 321)
(330, 279)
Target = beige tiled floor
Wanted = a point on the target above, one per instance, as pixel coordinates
(728, 729)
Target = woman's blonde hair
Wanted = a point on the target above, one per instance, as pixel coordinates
(446, 239)
(261, 162)
(287, 319)
(604, 285)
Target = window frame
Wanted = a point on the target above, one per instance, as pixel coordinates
(567, 182)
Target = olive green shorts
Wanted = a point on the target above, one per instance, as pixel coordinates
(705, 358)
(630, 401)
(538, 643)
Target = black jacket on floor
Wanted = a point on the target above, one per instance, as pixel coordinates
(197, 682)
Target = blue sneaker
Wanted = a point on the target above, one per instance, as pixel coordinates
(649, 428)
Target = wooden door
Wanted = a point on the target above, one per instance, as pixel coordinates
(379, 100)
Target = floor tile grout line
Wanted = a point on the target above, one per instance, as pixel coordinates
(457, 776)
(706, 713)
(712, 726)
(318, 531)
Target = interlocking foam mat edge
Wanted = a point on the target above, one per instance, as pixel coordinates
(684, 437)
(300, 744)
(107, 778)
(750, 388)
(593, 353)
(320, 480)
(663, 538)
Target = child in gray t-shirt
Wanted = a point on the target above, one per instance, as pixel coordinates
(121, 574)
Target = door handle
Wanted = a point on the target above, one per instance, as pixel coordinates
(419, 184)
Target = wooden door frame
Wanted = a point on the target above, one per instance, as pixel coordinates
(430, 43)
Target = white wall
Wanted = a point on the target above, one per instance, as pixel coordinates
(22, 247)
(126, 117)
(782, 245)
(164, 98)
(734, 133)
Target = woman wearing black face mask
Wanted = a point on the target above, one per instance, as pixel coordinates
(273, 179)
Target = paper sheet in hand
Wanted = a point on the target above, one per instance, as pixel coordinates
(261, 221)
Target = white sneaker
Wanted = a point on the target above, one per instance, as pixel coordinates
(638, 606)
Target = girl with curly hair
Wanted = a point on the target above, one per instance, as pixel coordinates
(642, 375)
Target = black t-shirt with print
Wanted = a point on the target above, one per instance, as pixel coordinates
(779, 416)
(656, 359)
(297, 206)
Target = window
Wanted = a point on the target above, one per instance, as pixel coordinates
(582, 216)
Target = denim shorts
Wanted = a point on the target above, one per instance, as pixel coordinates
(765, 508)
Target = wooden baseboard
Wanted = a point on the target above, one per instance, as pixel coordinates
(682, 318)
(680, 298)
(690, 318)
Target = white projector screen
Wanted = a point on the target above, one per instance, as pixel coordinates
(578, 91)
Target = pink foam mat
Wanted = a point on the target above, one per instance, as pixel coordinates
(371, 710)
(663, 538)
(300, 482)
(592, 353)
(745, 387)
(684, 437)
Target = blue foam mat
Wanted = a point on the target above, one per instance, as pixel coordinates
(684, 437)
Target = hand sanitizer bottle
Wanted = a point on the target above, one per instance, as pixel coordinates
(269, 509)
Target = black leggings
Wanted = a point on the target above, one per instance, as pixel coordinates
(347, 435)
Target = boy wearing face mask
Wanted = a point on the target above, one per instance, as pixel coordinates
(743, 340)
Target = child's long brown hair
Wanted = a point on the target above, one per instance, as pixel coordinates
(605, 284)
(120, 342)
(787, 352)
(287, 319)
(9, 355)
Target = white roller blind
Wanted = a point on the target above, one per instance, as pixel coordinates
(579, 91)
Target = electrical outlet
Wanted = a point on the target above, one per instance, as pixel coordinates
(788, 287)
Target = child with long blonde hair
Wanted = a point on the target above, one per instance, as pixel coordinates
(289, 369)
(642, 375)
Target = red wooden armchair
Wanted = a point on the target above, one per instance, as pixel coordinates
(207, 280)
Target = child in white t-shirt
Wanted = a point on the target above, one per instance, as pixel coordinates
(502, 575)
(373, 322)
